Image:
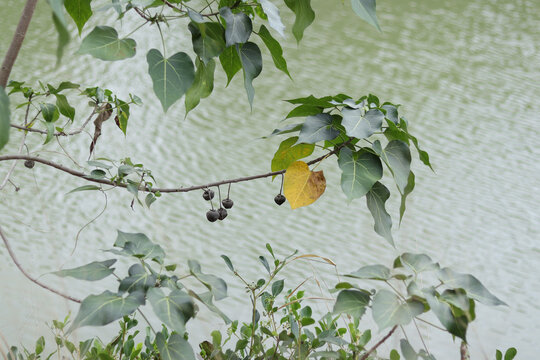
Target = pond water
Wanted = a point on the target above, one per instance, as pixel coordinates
(468, 76)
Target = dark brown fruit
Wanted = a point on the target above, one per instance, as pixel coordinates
(227, 203)
(212, 215)
(280, 199)
(208, 195)
(222, 213)
(29, 163)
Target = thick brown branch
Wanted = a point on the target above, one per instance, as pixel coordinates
(162, 190)
(17, 41)
(30, 277)
(366, 355)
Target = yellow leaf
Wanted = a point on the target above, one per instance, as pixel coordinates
(303, 186)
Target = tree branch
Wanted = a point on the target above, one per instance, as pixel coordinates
(71, 133)
(366, 355)
(30, 277)
(161, 190)
(17, 41)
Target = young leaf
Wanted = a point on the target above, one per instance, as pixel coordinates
(361, 170)
(171, 77)
(275, 49)
(302, 186)
(5, 115)
(85, 188)
(102, 309)
(454, 324)
(228, 262)
(250, 56)
(93, 271)
(366, 9)
(137, 280)
(272, 12)
(376, 198)
(103, 43)
(64, 107)
(408, 189)
(304, 16)
(288, 152)
(277, 287)
(239, 26)
(230, 61)
(202, 86)
(139, 245)
(79, 10)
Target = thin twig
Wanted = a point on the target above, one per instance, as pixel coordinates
(17, 41)
(30, 277)
(366, 355)
(58, 133)
(8, 175)
(154, 190)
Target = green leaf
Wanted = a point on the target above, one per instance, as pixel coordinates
(352, 302)
(50, 132)
(455, 325)
(64, 107)
(275, 49)
(228, 262)
(418, 262)
(57, 7)
(408, 189)
(397, 157)
(250, 56)
(394, 355)
(63, 37)
(304, 16)
(374, 272)
(217, 286)
(288, 152)
(376, 198)
(206, 299)
(174, 310)
(324, 102)
(277, 287)
(96, 270)
(122, 115)
(175, 349)
(103, 43)
(99, 164)
(361, 125)
(239, 26)
(208, 39)
(407, 350)
(202, 86)
(102, 309)
(510, 354)
(5, 115)
(470, 284)
(317, 128)
(138, 280)
(80, 11)
(85, 188)
(171, 77)
(285, 130)
(388, 310)
(272, 12)
(50, 112)
(361, 170)
(366, 9)
(138, 245)
(304, 110)
(230, 61)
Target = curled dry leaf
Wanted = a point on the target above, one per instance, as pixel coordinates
(105, 113)
(303, 186)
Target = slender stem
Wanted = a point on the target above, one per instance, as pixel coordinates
(17, 41)
(71, 133)
(153, 190)
(254, 303)
(366, 355)
(30, 277)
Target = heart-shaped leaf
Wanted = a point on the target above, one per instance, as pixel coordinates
(239, 26)
(288, 152)
(317, 128)
(103, 43)
(174, 309)
(388, 310)
(176, 348)
(171, 77)
(303, 186)
(361, 170)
